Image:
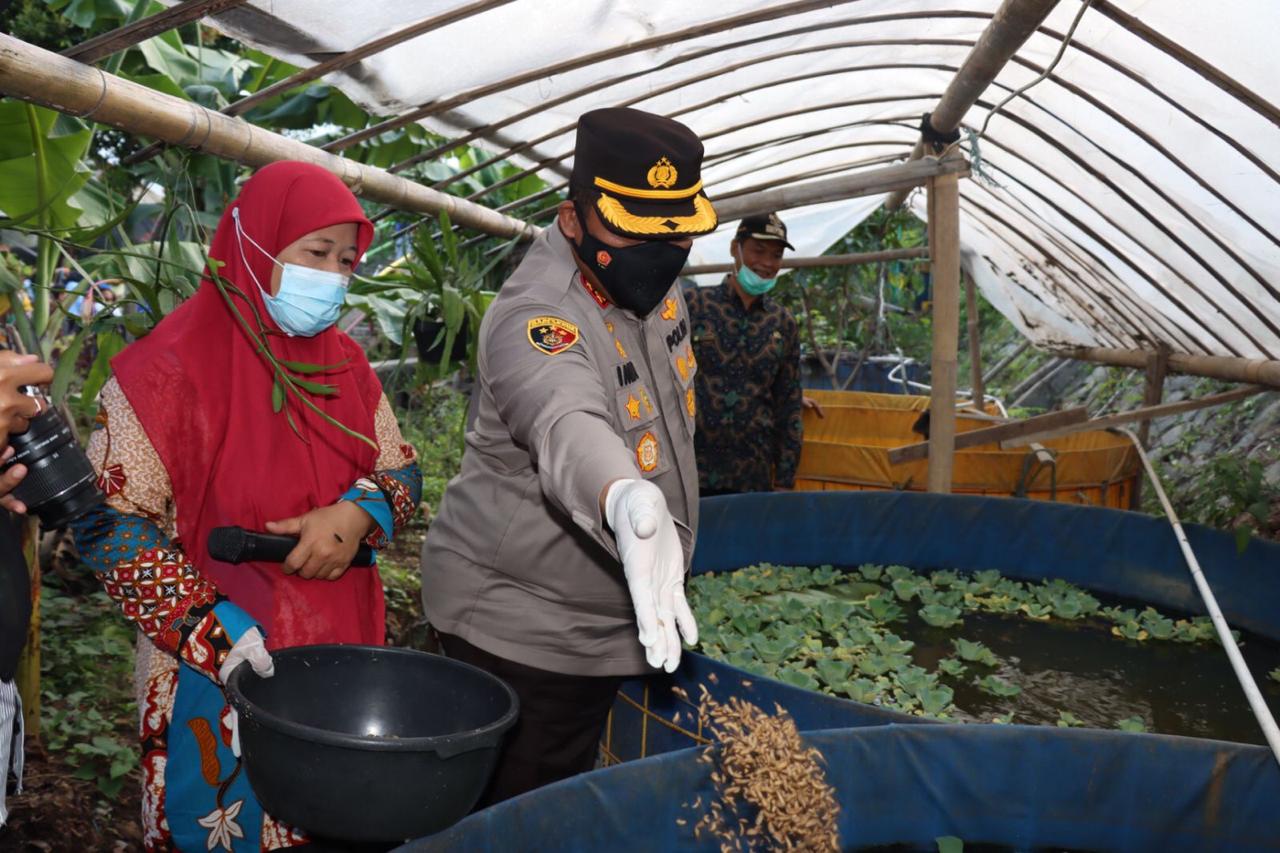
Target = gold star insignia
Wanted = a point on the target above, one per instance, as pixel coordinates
(618, 344)
(693, 362)
(683, 367)
(633, 407)
(690, 402)
(669, 311)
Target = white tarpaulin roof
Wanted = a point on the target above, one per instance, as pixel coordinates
(1130, 198)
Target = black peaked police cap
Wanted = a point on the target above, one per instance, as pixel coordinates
(643, 172)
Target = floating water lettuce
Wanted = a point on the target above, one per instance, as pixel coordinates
(1274, 674)
(834, 673)
(1159, 627)
(952, 667)
(908, 588)
(1131, 724)
(997, 686)
(862, 690)
(1066, 720)
(826, 629)
(935, 700)
(974, 652)
(940, 616)
(949, 844)
(882, 608)
(1003, 719)
(871, 573)
(797, 677)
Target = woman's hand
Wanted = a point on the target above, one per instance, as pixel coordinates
(328, 538)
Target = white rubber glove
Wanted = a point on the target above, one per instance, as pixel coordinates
(251, 647)
(653, 563)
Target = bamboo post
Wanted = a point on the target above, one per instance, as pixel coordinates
(32, 74)
(1152, 394)
(1010, 27)
(944, 249)
(28, 676)
(1153, 391)
(975, 345)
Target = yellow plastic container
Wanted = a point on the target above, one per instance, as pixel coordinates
(849, 450)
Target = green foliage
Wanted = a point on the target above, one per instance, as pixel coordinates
(1131, 724)
(86, 686)
(949, 844)
(997, 686)
(1274, 674)
(974, 652)
(1066, 720)
(1231, 493)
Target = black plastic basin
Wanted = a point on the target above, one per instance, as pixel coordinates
(367, 743)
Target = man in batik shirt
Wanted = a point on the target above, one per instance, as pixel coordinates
(748, 383)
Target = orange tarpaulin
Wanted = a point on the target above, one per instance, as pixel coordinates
(848, 449)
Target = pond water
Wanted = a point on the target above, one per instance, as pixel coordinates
(1062, 670)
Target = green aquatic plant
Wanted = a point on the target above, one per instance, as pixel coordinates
(1274, 674)
(936, 700)
(834, 673)
(952, 667)
(1068, 720)
(871, 573)
(862, 690)
(1131, 724)
(910, 587)
(1157, 626)
(949, 844)
(882, 608)
(1003, 719)
(940, 616)
(997, 686)
(798, 677)
(974, 652)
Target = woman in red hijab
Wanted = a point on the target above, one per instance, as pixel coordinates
(194, 432)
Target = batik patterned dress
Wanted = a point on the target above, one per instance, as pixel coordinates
(195, 794)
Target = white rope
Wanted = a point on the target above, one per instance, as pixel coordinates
(1251, 692)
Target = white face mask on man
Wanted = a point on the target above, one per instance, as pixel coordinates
(309, 300)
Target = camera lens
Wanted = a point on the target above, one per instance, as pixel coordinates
(60, 484)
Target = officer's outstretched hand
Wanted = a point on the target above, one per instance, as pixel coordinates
(653, 563)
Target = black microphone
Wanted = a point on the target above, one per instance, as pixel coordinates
(237, 545)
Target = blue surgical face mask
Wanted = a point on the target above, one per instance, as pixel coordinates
(753, 284)
(308, 301)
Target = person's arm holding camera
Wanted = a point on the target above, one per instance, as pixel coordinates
(16, 410)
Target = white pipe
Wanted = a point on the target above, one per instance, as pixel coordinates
(1251, 692)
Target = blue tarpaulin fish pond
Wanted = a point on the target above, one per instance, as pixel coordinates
(900, 782)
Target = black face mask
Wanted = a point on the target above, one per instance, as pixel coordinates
(636, 277)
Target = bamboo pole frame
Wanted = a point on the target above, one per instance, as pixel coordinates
(862, 183)
(944, 250)
(1010, 27)
(1257, 371)
(977, 390)
(127, 36)
(1145, 413)
(32, 74)
(824, 261)
(338, 63)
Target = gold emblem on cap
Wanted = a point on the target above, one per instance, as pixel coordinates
(663, 174)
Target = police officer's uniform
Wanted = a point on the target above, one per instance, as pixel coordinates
(574, 393)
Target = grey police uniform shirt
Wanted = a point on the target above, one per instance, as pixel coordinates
(572, 394)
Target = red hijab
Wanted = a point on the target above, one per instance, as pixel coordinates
(203, 396)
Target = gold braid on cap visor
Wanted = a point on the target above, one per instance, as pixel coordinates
(702, 221)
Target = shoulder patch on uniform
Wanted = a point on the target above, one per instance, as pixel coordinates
(551, 335)
(647, 452)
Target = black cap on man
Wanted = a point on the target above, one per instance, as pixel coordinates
(640, 176)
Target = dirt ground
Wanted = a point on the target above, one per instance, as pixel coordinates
(58, 813)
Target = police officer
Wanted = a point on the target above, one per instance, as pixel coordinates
(572, 521)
